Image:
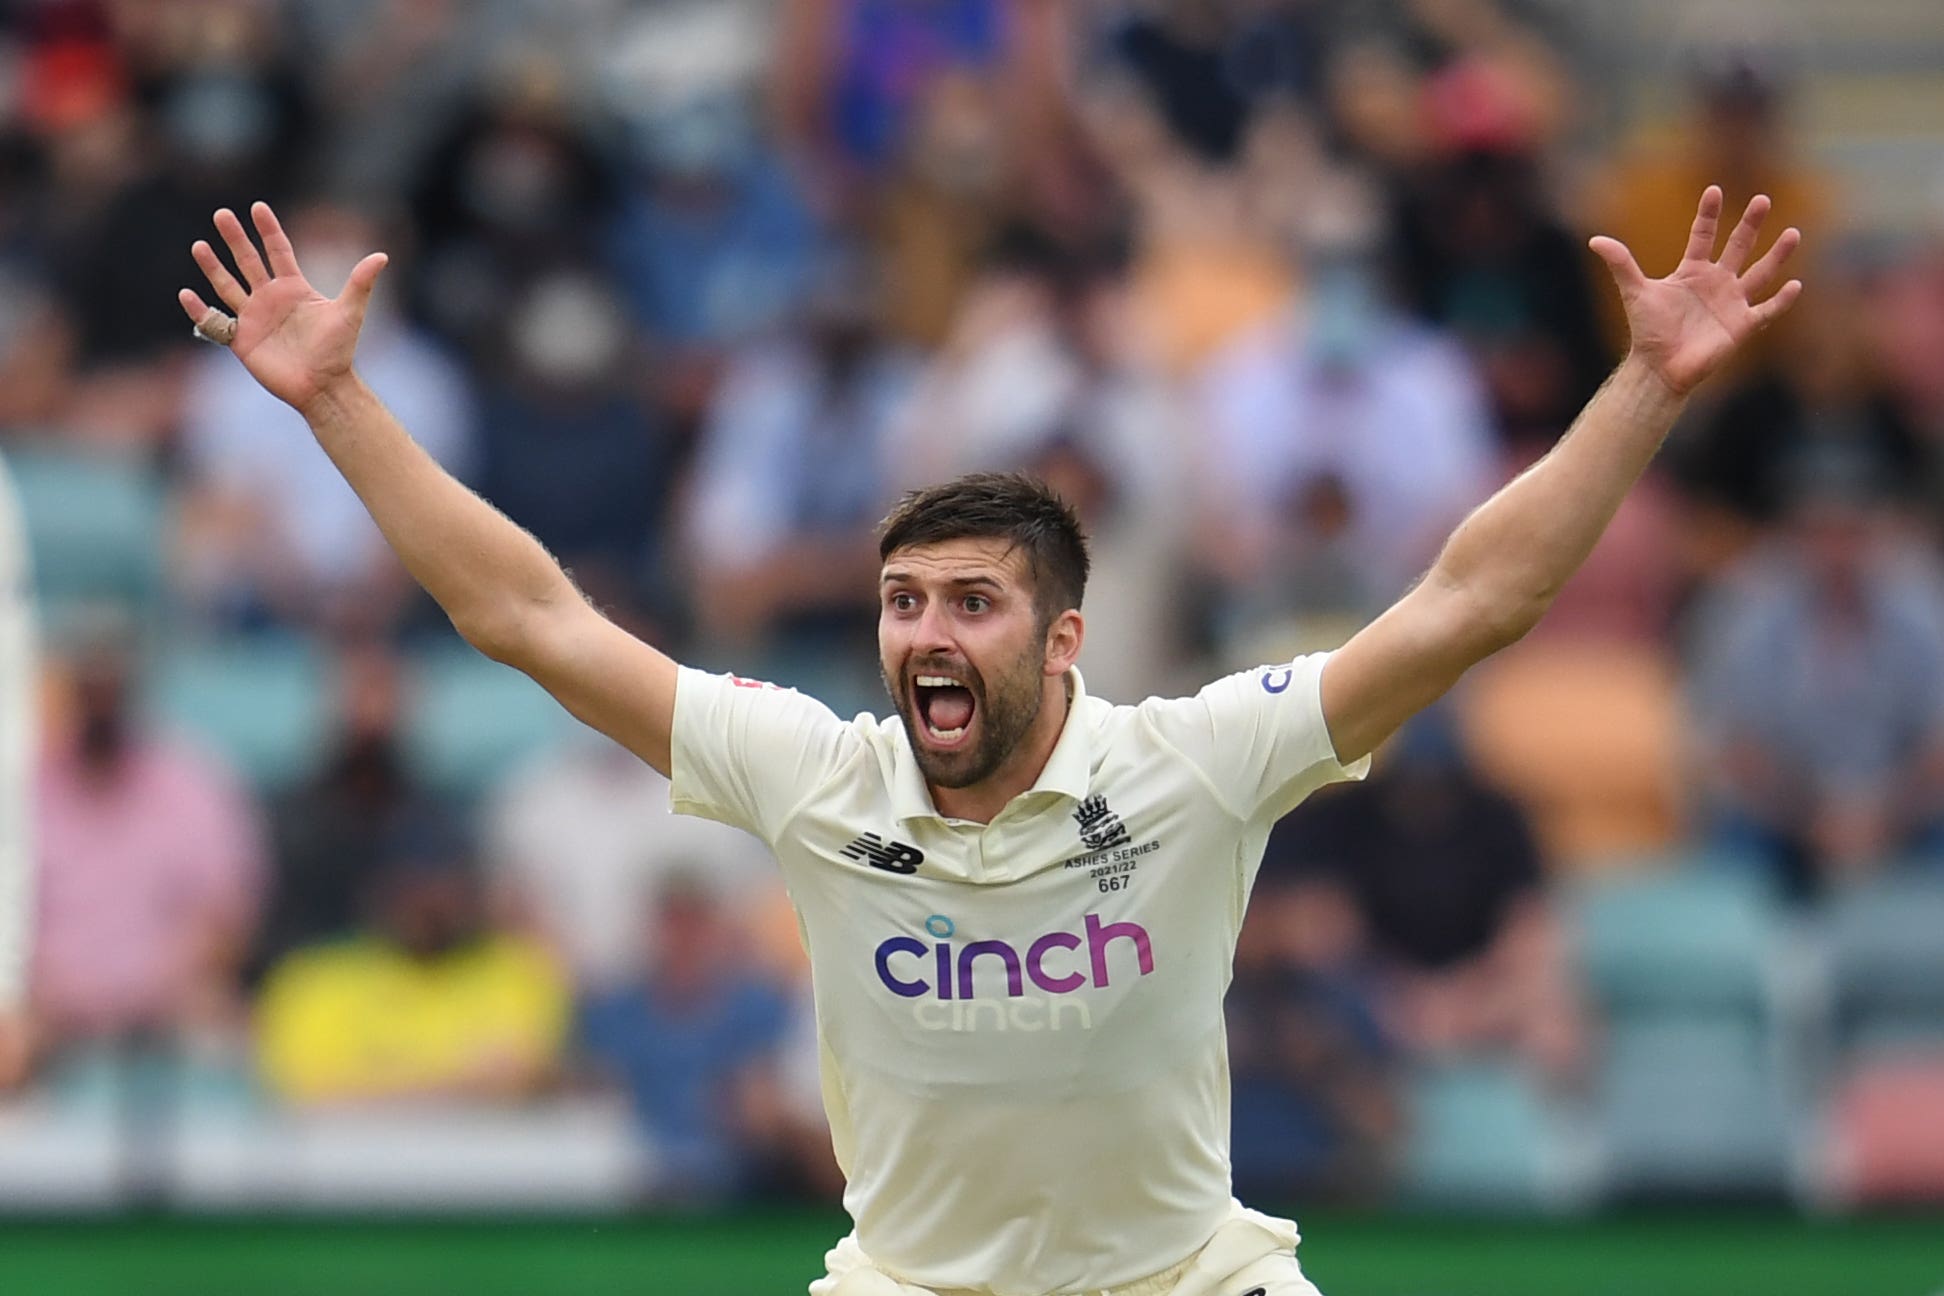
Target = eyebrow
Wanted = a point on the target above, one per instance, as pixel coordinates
(900, 576)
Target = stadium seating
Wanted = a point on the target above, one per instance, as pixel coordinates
(262, 703)
(1692, 1109)
(1696, 938)
(1886, 959)
(1886, 1131)
(1693, 1090)
(471, 720)
(1480, 1139)
(95, 524)
(1583, 733)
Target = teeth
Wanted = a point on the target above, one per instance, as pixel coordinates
(939, 681)
(947, 735)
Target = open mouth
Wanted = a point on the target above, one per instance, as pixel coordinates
(945, 707)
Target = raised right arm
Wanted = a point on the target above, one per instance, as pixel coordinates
(505, 594)
(503, 591)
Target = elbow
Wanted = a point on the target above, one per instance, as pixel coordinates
(1492, 619)
(502, 633)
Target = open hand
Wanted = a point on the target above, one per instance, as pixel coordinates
(293, 339)
(1687, 325)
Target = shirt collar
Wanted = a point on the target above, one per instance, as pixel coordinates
(1068, 771)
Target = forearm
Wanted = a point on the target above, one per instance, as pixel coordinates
(485, 571)
(1512, 556)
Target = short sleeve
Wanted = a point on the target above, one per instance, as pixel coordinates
(749, 754)
(1258, 737)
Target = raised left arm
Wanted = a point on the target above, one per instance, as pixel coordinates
(1506, 563)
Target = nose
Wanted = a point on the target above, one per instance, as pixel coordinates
(933, 633)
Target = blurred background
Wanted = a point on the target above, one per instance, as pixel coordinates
(357, 967)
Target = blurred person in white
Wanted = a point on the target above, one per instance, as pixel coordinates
(270, 534)
(152, 864)
(578, 841)
(1818, 682)
(1046, 368)
(18, 705)
(1341, 435)
(996, 1141)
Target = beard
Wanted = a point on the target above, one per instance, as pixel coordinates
(1004, 716)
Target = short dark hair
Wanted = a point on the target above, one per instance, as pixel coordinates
(1011, 506)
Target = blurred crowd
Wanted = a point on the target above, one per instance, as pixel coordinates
(1274, 291)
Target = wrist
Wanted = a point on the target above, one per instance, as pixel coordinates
(335, 400)
(1650, 383)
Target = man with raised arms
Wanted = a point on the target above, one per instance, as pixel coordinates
(1020, 901)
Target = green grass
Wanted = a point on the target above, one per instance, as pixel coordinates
(777, 1254)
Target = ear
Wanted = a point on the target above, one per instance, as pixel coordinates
(1063, 639)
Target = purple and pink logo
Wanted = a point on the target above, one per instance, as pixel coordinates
(1054, 962)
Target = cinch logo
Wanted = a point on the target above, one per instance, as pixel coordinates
(1053, 962)
(892, 857)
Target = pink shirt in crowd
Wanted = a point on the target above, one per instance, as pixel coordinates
(137, 871)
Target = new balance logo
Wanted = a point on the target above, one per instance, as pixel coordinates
(1099, 826)
(892, 857)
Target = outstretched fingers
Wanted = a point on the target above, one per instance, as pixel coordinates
(244, 252)
(1766, 313)
(1741, 241)
(1762, 275)
(1626, 271)
(1707, 222)
(194, 306)
(232, 292)
(356, 296)
(283, 257)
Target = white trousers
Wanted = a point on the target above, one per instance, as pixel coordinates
(1252, 1254)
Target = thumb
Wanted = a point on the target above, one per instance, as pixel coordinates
(1620, 263)
(356, 296)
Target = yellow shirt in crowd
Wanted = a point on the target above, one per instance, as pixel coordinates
(362, 1019)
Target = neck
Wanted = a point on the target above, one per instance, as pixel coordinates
(981, 802)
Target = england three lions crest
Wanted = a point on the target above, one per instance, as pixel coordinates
(1100, 827)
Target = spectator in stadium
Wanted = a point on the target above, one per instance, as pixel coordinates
(151, 864)
(574, 445)
(1830, 389)
(1447, 889)
(580, 840)
(1484, 255)
(713, 238)
(1343, 424)
(1817, 683)
(1903, 322)
(1738, 136)
(271, 535)
(1315, 1109)
(331, 831)
(428, 1002)
(851, 76)
(695, 1042)
(516, 164)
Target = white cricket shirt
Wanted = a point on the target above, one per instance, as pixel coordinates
(1023, 1054)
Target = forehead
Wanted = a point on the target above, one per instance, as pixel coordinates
(992, 557)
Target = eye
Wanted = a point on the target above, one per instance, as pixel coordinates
(977, 603)
(904, 602)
